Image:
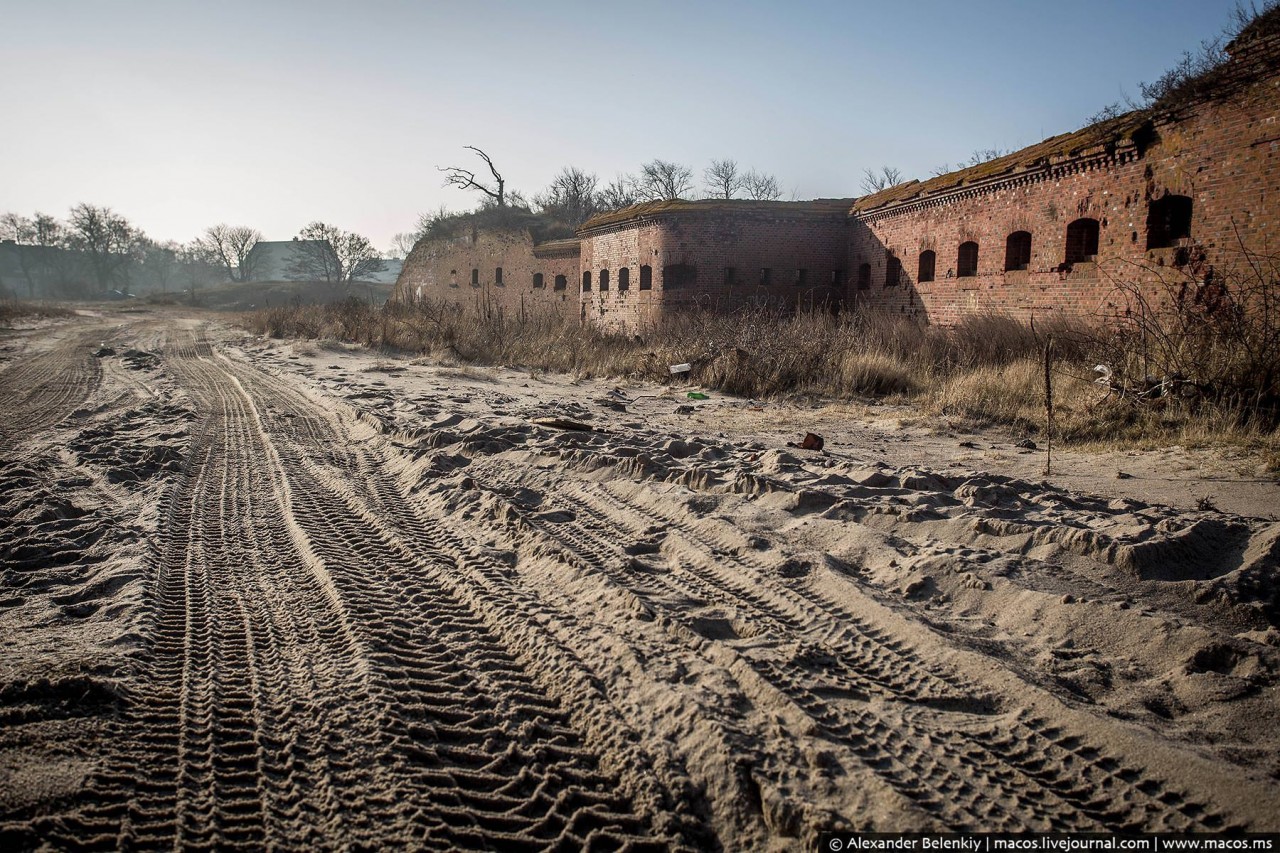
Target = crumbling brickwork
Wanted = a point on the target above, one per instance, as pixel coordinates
(497, 270)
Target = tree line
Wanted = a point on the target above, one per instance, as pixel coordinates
(575, 195)
(96, 250)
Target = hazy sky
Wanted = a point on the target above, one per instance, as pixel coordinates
(181, 114)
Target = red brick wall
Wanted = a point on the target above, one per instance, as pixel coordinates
(1225, 157)
(441, 270)
(709, 243)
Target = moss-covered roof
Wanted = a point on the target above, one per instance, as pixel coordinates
(650, 209)
(1103, 136)
(538, 226)
(1254, 55)
(569, 245)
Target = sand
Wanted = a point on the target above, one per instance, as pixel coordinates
(255, 593)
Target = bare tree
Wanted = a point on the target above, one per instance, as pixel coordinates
(22, 232)
(232, 247)
(618, 193)
(465, 179)
(572, 196)
(327, 253)
(197, 268)
(938, 171)
(761, 187)
(107, 240)
(986, 155)
(663, 181)
(723, 179)
(874, 181)
(160, 263)
(402, 244)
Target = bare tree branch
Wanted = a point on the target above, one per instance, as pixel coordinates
(874, 181)
(327, 253)
(761, 187)
(619, 193)
(723, 179)
(664, 181)
(465, 179)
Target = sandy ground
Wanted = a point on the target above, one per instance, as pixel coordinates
(258, 594)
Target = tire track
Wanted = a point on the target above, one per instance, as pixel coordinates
(843, 674)
(41, 391)
(314, 682)
(487, 688)
(254, 726)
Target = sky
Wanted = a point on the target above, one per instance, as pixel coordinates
(180, 115)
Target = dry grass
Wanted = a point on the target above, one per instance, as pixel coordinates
(988, 370)
(12, 309)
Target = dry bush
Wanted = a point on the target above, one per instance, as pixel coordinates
(1202, 342)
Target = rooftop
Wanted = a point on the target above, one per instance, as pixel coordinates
(650, 209)
(1105, 136)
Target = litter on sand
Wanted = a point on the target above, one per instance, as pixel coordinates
(811, 441)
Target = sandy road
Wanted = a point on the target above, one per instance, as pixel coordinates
(358, 617)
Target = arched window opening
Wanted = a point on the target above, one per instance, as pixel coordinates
(604, 280)
(624, 278)
(537, 281)
(892, 271)
(646, 277)
(928, 263)
(1017, 251)
(864, 276)
(967, 259)
(475, 277)
(1168, 221)
(586, 281)
(497, 276)
(1082, 241)
(562, 282)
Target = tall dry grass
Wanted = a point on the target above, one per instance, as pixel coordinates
(14, 309)
(987, 370)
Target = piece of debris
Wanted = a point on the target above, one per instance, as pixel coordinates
(969, 444)
(564, 423)
(811, 441)
(698, 395)
(684, 410)
(104, 351)
(1121, 475)
(681, 368)
(1026, 444)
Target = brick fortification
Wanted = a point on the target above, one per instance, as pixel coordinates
(660, 258)
(1142, 208)
(1081, 223)
(493, 269)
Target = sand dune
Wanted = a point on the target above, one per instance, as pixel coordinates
(256, 594)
